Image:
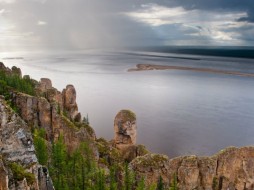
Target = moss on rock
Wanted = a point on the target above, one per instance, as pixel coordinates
(127, 115)
(150, 160)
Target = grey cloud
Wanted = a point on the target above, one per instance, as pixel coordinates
(80, 24)
(249, 18)
(99, 23)
(215, 5)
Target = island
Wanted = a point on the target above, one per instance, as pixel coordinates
(147, 67)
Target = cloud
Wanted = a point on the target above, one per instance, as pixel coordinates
(101, 24)
(2, 11)
(187, 24)
(7, 1)
(41, 23)
(80, 24)
(248, 18)
(157, 15)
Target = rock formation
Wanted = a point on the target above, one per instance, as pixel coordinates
(230, 169)
(17, 149)
(125, 128)
(57, 112)
(45, 84)
(52, 110)
(69, 100)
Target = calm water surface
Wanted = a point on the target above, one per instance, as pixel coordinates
(178, 112)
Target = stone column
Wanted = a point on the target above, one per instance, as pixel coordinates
(125, 129)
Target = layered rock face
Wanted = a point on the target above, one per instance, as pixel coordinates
(230, 169)
(125, 128)
(56, 112)
(16, 146)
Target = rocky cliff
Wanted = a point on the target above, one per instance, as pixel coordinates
(54, 111)
(230, 169)
(19, 167)
(20, 113)
(57, 113)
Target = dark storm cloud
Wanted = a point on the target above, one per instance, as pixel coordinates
(224, 5)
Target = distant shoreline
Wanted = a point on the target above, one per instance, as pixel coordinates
(147, 67)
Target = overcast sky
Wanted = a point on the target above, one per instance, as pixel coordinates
(79, 24)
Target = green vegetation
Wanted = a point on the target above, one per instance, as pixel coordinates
(113, 178)
(128, 178)
(19, 173)
(80, 170)
(160, 185)
(215, 184)
(75, 170)
(41, 146)
(15, 82)
(173, 185)
(86, 120)
(141, 184)
(151, 160)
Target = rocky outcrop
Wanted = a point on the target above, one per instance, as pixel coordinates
(230, 169)
(13, 71)
(54, 111)
(125, 129)
(70, 105)
(4, 69)
(66, 101)
(3, 176)
(16, 146)
(45, 84)
(16, 71)
(151, 167)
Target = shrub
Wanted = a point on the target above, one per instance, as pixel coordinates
(19, 173)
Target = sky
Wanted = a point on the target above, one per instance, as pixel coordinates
(82, 24)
